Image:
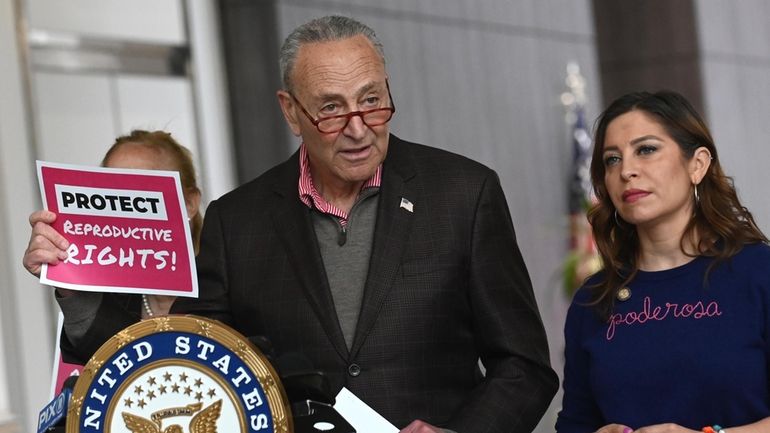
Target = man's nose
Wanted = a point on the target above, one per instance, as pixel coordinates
(356, 128)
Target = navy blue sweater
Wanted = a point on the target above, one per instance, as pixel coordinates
(677, 350)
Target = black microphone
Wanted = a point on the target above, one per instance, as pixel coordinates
(310, 396)
(308, 389)
(300, 379)
(264, 345)
(54, 413)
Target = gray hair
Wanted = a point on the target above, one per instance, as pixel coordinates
(324, 29)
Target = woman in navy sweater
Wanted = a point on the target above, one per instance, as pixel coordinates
(672, 335)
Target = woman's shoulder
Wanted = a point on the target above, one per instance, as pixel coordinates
(584, 293)
(583, 310)
(751, 265)
(757, 248)
(756, 254)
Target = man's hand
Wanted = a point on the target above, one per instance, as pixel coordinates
(46, 245)
(418, 426)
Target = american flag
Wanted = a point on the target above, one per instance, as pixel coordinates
(582, 259)
(580, 187)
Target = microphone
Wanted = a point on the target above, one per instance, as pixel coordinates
(55, 412)
(308, 389)
(264, 345)
(300, 379)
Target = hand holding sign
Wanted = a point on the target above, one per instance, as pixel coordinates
(46, 245)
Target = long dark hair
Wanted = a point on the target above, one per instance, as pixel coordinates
(164, 143)
(721, 225)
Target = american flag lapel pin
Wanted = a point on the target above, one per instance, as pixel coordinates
(406, 204)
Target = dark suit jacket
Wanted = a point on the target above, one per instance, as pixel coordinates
(446, 286)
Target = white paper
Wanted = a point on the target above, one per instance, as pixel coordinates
(362, 417)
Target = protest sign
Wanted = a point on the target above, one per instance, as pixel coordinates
(128, 230)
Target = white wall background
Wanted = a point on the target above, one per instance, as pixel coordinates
(735, 60)
(137, 20)
(24, 314)
(78, 116)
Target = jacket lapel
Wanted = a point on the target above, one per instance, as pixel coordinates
(292, 222)
(391, 233)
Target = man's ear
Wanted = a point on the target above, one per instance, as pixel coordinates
(289, 109)
(699, 164)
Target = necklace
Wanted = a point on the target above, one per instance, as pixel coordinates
(147, 308)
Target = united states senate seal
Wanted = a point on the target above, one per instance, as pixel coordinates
(178, 374)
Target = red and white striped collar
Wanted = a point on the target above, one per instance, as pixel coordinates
(310, 196)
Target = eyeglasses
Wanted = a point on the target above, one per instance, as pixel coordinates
(333, 124)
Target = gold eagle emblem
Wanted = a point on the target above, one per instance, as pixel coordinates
(203, 422)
